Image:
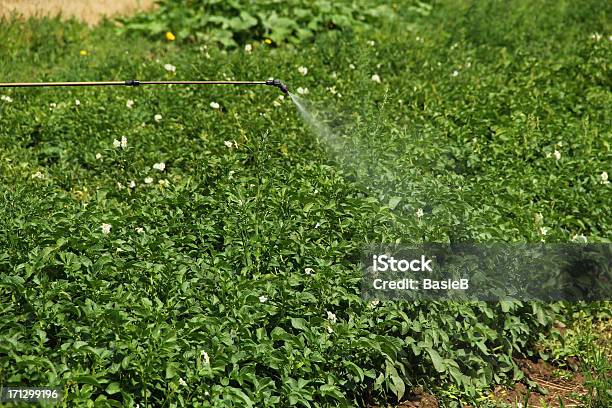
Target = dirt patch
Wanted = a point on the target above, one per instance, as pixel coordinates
(416, 398)
(89, 11)
(557, 383)
(422, 400)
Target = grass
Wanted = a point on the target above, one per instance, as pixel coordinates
(199, 295)
(587, 339)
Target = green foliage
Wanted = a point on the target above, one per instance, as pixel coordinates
(230, 23)
(236, 283)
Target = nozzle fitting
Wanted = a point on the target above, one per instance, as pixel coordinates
(279, 84)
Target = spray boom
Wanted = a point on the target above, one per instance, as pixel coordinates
(134, 82)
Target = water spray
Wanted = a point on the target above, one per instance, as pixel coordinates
(133, 82)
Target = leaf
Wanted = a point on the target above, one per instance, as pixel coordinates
(113, 388)
(170, 371)
(357, 371)
(437, 361)
(278, 333)
(299, 323)
(331, 390)
(397, 384)
(86, 379)
(506, 306)
(241, 396)
(393, 202)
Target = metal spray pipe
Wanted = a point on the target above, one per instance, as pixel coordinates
(133, 82)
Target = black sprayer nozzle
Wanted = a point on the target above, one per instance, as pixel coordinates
(279, 84)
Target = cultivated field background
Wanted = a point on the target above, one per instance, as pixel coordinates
(200, 246)
(89, 11)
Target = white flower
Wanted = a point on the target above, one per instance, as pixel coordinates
(140, 230)
(538, 218)
(148, 180)
(308, 271)
(371, 43)
(263, 299)
(351, 66)
(276, 103)
(228, 144)
(302, 91)
(596, 36)
(53, 105)
(122, 143)
(205, 357)
(169, 67)
(455, 73)
(132, 184)
(129, 104)
(376, 78)
(303, 70)
(98, 156)
(159, 166)
(6, 98)
(182, 382)
(332, 90)
(374, 302)
(557, 155)
(157, 117)
(419, 213)
(163, 183)
(579, 238)
(519, 405)
(106, 228)
(38, 175)
(214, 105)
(604, 178)
(331, 317)
(281, 97)
(248, 48)
(543, 230)
(77, 102)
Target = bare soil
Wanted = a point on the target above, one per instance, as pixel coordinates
(555, 383)
(89, 11)
(416, 398)
(558, 383)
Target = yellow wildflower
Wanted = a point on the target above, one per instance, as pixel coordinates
(170, 36)
(83, 52)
